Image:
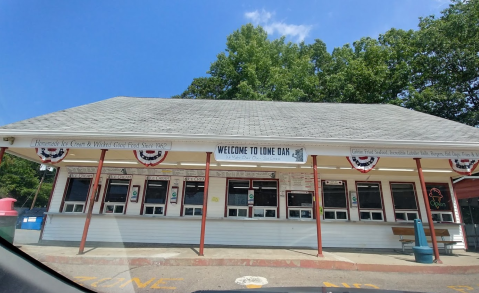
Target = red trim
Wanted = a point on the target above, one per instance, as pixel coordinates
(382, 198)
(2, 152)
(143, 197)
(60, 210)
(183, 198)
(346, 194)
(299, 191)
(97, 193)
(316, 205)
(150, 165)
(459, 212)
(205, 204)
(88, 195)
(167, 196)
(127, 196)
(226, 197)
(49, 199)
(415, 196)
(104, 195)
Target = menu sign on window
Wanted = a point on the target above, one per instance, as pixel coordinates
(260, 154)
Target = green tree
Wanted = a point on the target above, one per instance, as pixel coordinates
(19, 178)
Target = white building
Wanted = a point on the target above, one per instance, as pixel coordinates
(260, 148)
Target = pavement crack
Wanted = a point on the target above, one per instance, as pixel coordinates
(127, 270)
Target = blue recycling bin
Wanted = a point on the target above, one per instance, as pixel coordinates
(422, 251)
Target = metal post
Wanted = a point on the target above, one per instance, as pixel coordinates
(428, 211)
(92, 201)
(316, 206)
(2, 152)
(205, 202)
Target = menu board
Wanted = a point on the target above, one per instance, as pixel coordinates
(296, 181)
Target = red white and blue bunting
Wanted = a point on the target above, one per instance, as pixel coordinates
(51, 155)
(150, 158)
(363, 164)
(464, 166)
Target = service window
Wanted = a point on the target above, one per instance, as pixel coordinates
(439, 202)
(155, 197)
(370, 201)
(335, 204)
(238, 198)
(405, 202)
(300, 205)
(76, 195)
(265, 198)
(193, 198)
(116, 196)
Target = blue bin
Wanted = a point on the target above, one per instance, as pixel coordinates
(32, 223)
(422, 251)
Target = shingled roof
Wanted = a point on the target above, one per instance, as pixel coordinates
(222, 118)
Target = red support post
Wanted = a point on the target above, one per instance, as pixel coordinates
(428, 211)
(2, 152)
(91, 202)
(205, 203)
(316, 206)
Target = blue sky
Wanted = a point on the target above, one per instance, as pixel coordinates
(60, 54)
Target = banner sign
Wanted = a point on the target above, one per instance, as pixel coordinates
(414, 153)
(260, 154)
(363, 164)
(463, 166)
(100, 144)
(120, 176)
(51, 155)
(250, 196)
(195, 179)
(83, 176)
(150, 158)
(158, 178)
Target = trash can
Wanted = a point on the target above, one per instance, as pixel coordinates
(422, 251)
(8, 219)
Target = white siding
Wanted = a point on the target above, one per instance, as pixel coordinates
(58, 191)
(216, 197)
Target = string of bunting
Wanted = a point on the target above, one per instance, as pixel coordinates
(150, 158)
(363, 164)
(51, 155)
(464, 166)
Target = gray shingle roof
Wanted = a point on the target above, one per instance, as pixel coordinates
(251, 118)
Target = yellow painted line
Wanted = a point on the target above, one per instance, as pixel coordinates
(160, 283)
(462, 289)
(346, 285)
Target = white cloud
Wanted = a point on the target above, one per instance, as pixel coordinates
(264, 18)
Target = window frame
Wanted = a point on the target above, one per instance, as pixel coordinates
(335, 209)
(371, 210)
(250, 209)
(125, 204)
(451, 205)
(228, 207)
(288, 207)
(64, 202)
(406, 211)
(185, 206)
(144, 205)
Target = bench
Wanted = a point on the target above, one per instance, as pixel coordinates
(406, 231)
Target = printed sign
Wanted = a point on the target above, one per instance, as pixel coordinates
(194, 178)
(135, 190)
(260, 154)
(353, 199)
(157, 177)
(86, 176)
(330, 182)
(100, 144)
(250, 196)
(120, 176)
(174, 194)
(414, 153)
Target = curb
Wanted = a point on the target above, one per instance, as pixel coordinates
(293, 263)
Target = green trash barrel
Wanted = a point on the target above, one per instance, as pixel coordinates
(8, 219)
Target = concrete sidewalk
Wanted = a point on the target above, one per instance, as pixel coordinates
(336, 259)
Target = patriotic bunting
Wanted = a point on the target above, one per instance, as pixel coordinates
(464, 166)
(51, 155)
(150, 158)
(363, 164)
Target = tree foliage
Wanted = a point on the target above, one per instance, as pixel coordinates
(19, 178)
(434, 69)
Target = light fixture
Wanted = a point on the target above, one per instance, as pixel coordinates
(306, 167)
(197, 164)
(438, 171)
(72, 154)
(121, 162)
(79, 161)
(326, 167)
(169, 164)
(239, 165)
(398, 170)
(345, 168)
(276, 167)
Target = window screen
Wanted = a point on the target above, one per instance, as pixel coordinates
(265, 193)
(194, 192)
(369, 195)
(334, 196)
(77, 189)
(156, 191)
(300, 199)
(404, 196)
(238, 192)
(117, 190)
(438, 196)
